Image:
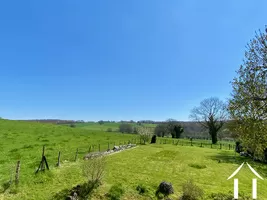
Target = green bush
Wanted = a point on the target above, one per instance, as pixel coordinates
(126, 128)
(191, 191)
(141, 189)
(115, 192)
(72, 125)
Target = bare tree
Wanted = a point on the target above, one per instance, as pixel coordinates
(211, 114)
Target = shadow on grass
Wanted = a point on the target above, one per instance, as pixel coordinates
(225, 157)
(83, 191)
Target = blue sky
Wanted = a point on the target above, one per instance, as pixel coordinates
(120, 60)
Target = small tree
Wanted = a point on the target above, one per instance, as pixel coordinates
(145, 133)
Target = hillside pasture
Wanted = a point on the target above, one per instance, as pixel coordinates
(148, 165)
(24, 141)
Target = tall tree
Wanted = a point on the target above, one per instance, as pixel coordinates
(248, 103)
(211, 114)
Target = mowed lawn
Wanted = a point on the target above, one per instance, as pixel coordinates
(149, 165)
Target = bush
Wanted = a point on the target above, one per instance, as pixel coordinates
(72, 125)
(115, 192)
(191, 191)
(93, 169)
(126, 128)
(109, 130)
(164, 188)
(141, 189)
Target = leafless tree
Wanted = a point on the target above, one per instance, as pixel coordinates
(211, 114)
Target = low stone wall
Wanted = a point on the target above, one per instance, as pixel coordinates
(109, 151)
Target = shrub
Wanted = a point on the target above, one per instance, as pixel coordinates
(191, 191)
(126, 128)
(109, 130)
(164, 188)
(93, 169)
(72, 125)
(115, 192)
(141, 189)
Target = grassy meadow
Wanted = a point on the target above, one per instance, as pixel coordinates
(147, 165)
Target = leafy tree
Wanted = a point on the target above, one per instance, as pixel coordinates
(248, 103)
(145, 133)
(101, 122)
(126, 128)
(174, 128)
(211, 114)
(161, 130)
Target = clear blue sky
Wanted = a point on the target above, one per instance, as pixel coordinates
(120, 60)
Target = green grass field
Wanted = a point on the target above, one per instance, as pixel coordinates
(147, 164)
(105, 126)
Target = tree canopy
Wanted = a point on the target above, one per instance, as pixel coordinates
(211, 114)
(248, 103)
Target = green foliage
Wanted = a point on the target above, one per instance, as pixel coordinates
(170, 127)
(191, 191)
(126, 128)
(247, 105)
(142, 189)
(101, 122)
(161, 130)
(116, 192)
(72, 125)
(145, 133)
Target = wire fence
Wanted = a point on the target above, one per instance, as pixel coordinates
(50, 158)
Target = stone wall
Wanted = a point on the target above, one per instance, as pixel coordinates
(109, 151)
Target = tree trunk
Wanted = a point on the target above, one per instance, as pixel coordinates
(213, 135)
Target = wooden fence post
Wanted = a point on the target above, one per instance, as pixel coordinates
(89, 150)
(58, 159)
(42, 165)
(17, 173)
(211, 145)
(76, 155)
